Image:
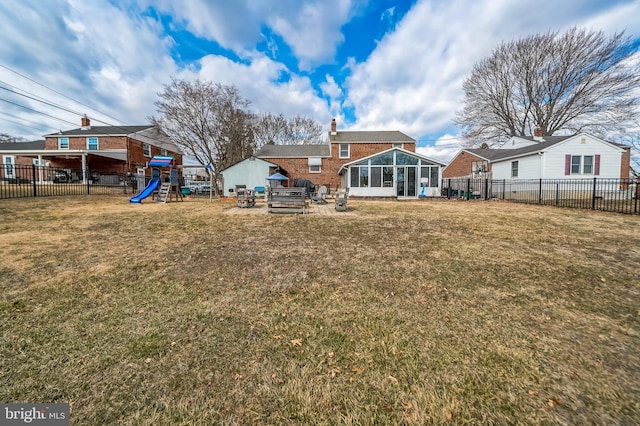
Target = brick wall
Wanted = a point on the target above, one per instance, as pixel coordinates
(461, 165)
(136, 157)
(298, 168)
(625, 163)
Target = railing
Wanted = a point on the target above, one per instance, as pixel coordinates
(612, 195)
(18, 181)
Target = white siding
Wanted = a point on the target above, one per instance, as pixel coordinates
(248, 172)
(610, 157)
(528, 168)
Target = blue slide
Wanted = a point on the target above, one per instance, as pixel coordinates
(151, 186)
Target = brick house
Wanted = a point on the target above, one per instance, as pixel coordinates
(550, 157)
(105, 150)
(368, 163)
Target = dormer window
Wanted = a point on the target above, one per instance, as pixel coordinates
(344, 150)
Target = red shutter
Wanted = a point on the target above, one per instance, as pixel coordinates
(596, 168)
(567, 164)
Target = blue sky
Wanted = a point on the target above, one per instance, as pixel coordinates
(377, 64)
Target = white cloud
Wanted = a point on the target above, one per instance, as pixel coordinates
(413, 79)
(258, 82)
(444, 149)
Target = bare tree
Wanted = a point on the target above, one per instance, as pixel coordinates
(210, 122)
(5, 137)
(277, 129)
(572, 82)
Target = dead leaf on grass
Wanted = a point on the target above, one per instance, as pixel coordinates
(296, 342)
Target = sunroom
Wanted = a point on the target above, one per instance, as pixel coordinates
(395, 172)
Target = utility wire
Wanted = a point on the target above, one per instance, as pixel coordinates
(36, 111)
(22, 124)
(25, 120)
(65, 96)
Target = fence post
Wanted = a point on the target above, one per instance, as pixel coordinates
(468, 188)
(33, 179)
(540, 192)
(636, 196)
(449, 189)
(593, 194)
(87, 174)
(486, 189)
(557, 193)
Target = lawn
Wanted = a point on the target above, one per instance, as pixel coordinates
(404, 313)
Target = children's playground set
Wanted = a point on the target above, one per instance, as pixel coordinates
(165, 181)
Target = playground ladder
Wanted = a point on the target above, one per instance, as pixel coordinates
(163, 192)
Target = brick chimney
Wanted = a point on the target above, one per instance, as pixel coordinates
(334, 126)
(86, 123)
(537, 132)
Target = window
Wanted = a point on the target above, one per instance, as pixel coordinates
(587, 165)
(376, 177)
(9, 166)
(163, 152)
(344, 150)
(63, 143)
(355, 176)
(359, 177)
(431, 173)
(92, 144)
(514, 169)
(398, 145)
(364, 177)
(387, 177)
(146, 150)
(315, 169)
(575, 164)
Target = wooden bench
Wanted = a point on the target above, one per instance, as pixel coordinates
(286, 200)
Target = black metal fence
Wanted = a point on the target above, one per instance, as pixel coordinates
(611, 195)
(17, 181)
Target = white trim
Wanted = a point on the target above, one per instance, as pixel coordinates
(97, 143)
(340, 150)
(60, 139)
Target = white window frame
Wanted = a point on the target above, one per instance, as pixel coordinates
(398, 145)
(146, 149)
(340, 150)
(89, 144)
(315, 169)
(163, 152)
(9, 162)
(60, 144)
(515, 169)
(583, 165)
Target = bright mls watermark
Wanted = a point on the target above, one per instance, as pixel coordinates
(34, 414)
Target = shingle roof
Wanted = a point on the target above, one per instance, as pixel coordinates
(370, 136)
(26, 146)
(497, 154)
(102, 131)
(294, 151)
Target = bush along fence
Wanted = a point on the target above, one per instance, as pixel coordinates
(18, 181)
(611, 195)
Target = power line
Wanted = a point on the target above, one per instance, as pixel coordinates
(22, 124)
(24, 119)
(65, 96)
(36, 111)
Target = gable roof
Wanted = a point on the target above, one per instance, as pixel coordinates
(102, 131)
(370, 136)
(294, 151)
(24, 146)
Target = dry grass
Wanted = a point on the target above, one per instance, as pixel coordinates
(409, 313)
